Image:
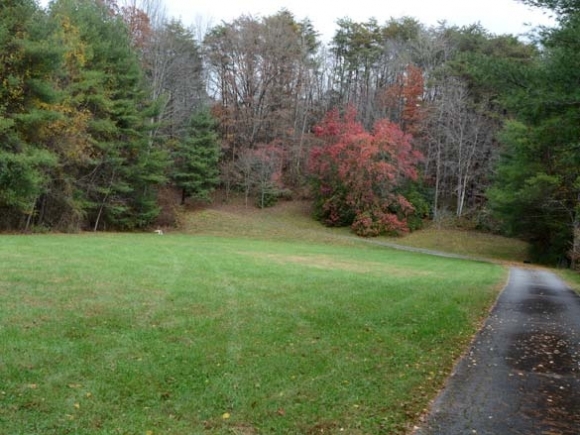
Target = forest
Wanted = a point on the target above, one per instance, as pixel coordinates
(109, 107)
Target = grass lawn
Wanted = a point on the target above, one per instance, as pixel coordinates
(199, 334)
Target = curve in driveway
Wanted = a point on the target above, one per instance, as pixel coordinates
(522, 373)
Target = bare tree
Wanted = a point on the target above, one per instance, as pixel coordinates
(176, 74)
(154, 9)
(260, 72)
(460, 145)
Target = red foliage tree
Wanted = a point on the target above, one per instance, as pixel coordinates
(413, 112)
(139, 25)
(356, 174)
(403, 100)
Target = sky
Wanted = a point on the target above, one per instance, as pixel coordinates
(497, 16)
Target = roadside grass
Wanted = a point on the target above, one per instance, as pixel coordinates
(254, 334)
(470, 243)
(570, 277)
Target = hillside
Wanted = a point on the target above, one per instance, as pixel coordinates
(292, 220)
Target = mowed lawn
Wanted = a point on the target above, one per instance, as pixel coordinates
(196, 334)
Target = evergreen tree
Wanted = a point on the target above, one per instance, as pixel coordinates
(538, 182)
(115, 166)
(26, 61)
(196, 158)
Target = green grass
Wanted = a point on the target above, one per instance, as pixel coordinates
(570, 277)
(182, 334)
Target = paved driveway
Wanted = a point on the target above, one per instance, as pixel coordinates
(522, 374)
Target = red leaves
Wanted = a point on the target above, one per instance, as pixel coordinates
(403, 100)
(376, 222)
(334, 127)
(413, 114)
(356, 173)
(139, 25)
(397, 144)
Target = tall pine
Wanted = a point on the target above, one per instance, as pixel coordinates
(116, 167)
(537, 188)
(26, 60)
(196, 157)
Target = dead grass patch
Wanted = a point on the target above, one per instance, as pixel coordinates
(332, 263)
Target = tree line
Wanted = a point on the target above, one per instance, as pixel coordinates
(106, 104)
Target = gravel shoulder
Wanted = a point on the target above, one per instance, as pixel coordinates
(522, 372)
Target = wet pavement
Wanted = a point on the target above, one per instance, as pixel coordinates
(522, 373)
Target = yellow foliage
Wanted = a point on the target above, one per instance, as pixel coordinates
(68, 132)
(75, 56)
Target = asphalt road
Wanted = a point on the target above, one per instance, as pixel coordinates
(522, 373)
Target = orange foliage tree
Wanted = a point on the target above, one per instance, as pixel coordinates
(403, 100)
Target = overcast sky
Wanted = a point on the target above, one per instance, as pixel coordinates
(497, 16)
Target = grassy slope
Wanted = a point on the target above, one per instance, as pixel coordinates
(292, 220)
(254, 331)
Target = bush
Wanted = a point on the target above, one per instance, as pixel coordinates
(375, 223)
(419, 196)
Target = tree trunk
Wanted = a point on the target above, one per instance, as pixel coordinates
(103, 203)
(461, 194)
(575, 250)
(183, 196)
(437, 182)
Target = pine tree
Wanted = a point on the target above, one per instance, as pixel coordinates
(26, 61)
(196, 158)
(116, 168)
(537, 187)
